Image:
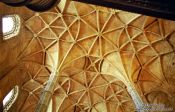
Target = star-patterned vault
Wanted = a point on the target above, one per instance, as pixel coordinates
(97, 51)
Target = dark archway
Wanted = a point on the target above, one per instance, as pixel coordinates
(35, 5)
(157, 8)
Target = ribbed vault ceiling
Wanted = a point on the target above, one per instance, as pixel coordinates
(88, 44)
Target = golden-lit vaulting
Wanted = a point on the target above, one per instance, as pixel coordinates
(78, 57)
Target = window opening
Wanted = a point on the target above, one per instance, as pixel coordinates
(10, 26)
(10, 98)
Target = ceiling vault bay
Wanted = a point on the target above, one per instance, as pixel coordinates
(84, 56)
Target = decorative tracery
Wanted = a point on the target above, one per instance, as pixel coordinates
(131, 42)
(80, 41)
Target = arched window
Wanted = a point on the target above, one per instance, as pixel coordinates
(10, 99)
(10, 26)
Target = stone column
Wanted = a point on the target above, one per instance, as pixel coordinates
(111, 68)
(136, 97)
(47, 93)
